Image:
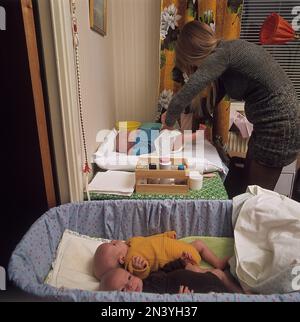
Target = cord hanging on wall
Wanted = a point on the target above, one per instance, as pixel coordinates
(86, 167)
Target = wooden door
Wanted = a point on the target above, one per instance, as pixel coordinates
(26, 171)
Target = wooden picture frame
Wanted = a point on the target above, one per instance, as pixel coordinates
(98, 16)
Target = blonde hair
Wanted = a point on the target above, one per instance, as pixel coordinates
(196, 41)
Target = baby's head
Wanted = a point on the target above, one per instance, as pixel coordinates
(118, 279)
(108, 256)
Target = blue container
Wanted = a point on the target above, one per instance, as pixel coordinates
(152, 132)
(150, 128)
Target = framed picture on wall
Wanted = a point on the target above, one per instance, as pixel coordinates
(98, 16)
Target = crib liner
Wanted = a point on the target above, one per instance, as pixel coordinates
(213, 189)
(33, 256)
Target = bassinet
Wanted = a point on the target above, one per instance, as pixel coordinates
(32, 258)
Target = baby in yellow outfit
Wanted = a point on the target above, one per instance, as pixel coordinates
(143, 255)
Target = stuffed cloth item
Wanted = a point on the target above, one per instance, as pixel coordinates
(267, 241)
(73, 266)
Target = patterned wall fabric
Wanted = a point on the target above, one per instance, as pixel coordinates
(224, 18)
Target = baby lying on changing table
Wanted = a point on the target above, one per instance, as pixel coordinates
(125, 141)
(137, 142)
(141, 256)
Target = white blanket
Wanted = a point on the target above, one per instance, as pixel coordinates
(267, 242)
(106, 158)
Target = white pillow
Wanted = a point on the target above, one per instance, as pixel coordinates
(73, 267)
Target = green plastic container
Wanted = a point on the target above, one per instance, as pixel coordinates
(150, 127)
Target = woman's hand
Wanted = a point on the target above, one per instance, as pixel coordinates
(207, 132)
(163, 122)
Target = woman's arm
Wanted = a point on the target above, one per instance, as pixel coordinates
(211, 69)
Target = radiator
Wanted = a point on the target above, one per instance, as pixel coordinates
(236, 145)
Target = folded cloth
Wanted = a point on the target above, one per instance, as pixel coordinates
(113, 182)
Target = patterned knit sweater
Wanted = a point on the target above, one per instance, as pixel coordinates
(247, 72)
(157, 251)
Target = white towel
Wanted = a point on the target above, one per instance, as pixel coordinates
(113, 182)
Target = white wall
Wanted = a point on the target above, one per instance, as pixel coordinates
(136, 30)
(119, 72)
(97, 75)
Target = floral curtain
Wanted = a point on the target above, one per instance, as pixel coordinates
(224, 18)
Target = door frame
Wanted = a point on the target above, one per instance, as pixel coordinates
(38, 98)
(65, 59)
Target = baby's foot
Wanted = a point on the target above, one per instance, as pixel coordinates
(223, 263)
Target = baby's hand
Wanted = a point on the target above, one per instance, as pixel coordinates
(188, 258)
(138, 262)
(172, 234)
(185, 290)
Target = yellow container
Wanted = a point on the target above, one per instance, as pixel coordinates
(128, 125)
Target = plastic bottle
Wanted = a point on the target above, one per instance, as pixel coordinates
(165, 164)
(180, 167)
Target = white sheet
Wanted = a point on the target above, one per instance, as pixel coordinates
(267, 241)
(107, 159)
